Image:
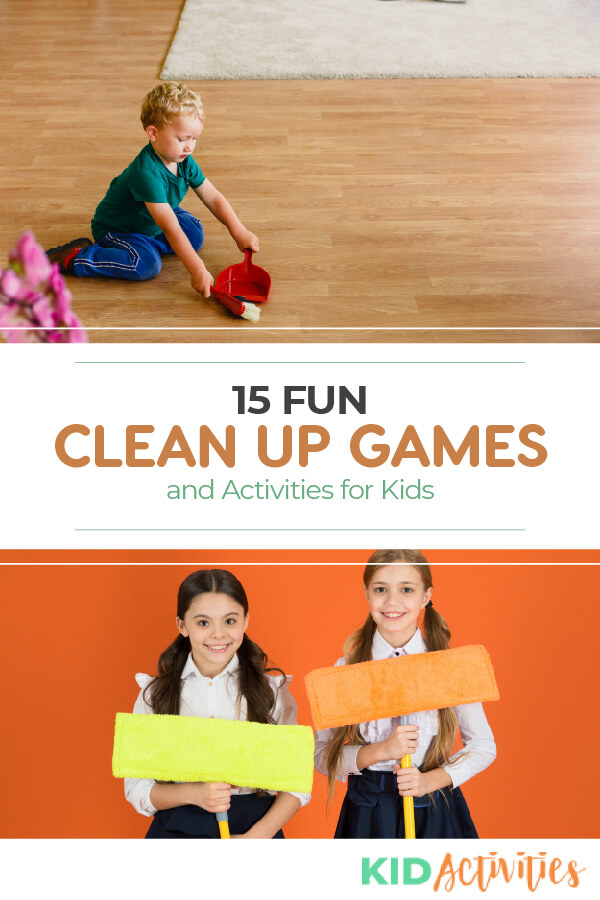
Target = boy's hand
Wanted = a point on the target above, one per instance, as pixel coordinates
(245, 240)
(202, 280)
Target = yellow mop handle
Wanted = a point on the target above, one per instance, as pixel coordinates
(409, 805)
(223, 825)
(408, 802)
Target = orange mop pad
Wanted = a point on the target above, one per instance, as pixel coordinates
(386, 688)
(382, 689)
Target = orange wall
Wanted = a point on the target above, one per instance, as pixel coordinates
(72, 637)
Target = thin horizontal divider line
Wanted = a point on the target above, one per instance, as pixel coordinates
(300, 362)
(393, 530)
(314, 328)
(268, 562)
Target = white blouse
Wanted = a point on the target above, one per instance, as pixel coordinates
(216, 697)
(477, 753)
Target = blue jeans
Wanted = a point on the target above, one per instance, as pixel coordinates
(135, 257)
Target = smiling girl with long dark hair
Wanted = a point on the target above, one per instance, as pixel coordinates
(213, 669)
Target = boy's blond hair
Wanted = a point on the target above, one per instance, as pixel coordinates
(168, 100)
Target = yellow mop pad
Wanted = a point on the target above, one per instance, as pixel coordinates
(188, 748)
(381, 689)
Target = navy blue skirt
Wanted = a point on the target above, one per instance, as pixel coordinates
(195, 822)
(373, 808)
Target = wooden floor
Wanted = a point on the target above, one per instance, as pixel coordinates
(392, 204)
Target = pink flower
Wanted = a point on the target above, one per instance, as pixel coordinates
(11, 285)
(77, 334)
(22, 336)
(62, 295)
(14, 319)
(35, 304)
(34, 262)
(8, 314)
(42, 313)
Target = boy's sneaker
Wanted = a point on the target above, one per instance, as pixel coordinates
(65, 255)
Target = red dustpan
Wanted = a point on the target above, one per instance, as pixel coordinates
(246, 280)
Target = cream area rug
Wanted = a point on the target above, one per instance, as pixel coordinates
(235, 39)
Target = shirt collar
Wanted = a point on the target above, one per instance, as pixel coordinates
(160, 164)
(190, 670)
(382, 650)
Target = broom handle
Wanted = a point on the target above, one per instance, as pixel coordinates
(233, 303)
(408, 802)
(223, 825)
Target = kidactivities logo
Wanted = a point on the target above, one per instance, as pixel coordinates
(478, 872)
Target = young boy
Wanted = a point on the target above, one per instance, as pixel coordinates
(139, 220)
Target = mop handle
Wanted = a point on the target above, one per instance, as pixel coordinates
(408, 802)
(223, 825)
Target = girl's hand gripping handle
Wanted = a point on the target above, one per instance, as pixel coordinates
(408, 802)
(223, 824)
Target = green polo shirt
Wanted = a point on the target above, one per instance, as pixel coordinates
(145, 180)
